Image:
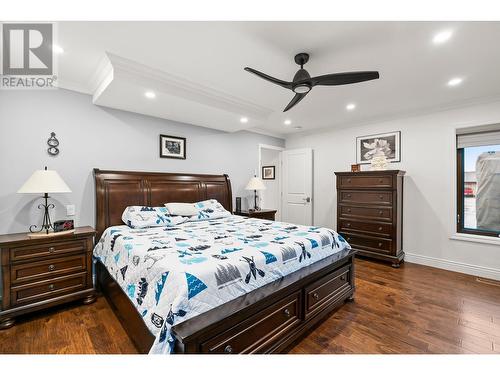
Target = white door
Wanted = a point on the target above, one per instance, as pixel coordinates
(297, 186)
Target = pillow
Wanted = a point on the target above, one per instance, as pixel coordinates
(208, 210)
(181, 209)
(147, 217)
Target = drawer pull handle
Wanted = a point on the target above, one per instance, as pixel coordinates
(380, 181)
(380, 228)
(380, 244)
(287, 313)
(316, 296)
(349, 180)
(381, 212)
(348, 210)
(348, 238)
(51, 287)
(52, 267)
(228, 349)
(348, 195)
(52, 249)
(342, 277)
(348, 224)
(381, 196)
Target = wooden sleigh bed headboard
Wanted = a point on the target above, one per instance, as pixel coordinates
(116, 190)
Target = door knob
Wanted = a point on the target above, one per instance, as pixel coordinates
(308, 199)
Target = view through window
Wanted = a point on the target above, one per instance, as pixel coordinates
(479, 193)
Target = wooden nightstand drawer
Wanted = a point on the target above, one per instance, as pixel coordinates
(42, 290)
(26, 272)
(19, 253)
(260, 214)
(45, 271)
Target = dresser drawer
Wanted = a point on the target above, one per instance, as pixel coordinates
(366, 197)
(377, 245)
(327, 290)
(44, 250)
(346, 182)
(255, 334)
(377, 229)
(25, 272)
(370, 213)
(43, 290)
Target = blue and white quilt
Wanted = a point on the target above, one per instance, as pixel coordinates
(174, 273)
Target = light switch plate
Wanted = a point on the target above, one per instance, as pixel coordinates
(70, 210)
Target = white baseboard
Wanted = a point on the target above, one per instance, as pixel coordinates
(450, 265)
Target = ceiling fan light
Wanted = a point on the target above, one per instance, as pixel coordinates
(301, 89)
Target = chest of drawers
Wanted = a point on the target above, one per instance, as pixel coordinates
(370, 213)
(43, 272)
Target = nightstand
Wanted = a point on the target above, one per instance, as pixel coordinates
(44, 272)
(261, 214)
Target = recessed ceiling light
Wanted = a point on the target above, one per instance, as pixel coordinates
(244, 120)
(442, 37)
(350, 106)
(287, 122)
(455, 81)
(150, 94)
(57, 49)
(297, 127)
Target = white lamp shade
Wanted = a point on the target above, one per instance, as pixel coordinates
(44, 181)
(255, 183)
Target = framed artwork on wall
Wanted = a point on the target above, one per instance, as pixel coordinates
(172, 147)
(268, 172)
(388, 144)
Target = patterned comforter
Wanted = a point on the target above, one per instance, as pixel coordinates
(175, 273)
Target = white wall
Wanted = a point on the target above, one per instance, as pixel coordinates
(272, 195)
(96, 137)
(428, 156)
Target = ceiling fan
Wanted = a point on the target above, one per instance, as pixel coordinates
(303, 83)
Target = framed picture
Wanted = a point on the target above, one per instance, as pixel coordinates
(355, 167)
(268, 172)
(388, 143)
(172, 147)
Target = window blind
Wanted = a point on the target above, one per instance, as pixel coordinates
(478, 139)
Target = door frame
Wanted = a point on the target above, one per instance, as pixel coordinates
(280, 161)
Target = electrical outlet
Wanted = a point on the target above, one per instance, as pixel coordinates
(70, 210)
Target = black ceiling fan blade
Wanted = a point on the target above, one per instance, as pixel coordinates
(343, 78)
(297, 98)
(286, 85)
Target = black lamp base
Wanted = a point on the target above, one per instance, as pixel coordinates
(46, 223)
(255, 207)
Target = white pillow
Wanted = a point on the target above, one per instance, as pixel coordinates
(181, 209)
(208, 210)
(147, 217)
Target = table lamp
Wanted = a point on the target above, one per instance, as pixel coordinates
(44, 182)
(255, 184)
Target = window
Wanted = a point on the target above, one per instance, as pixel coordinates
(478, 183)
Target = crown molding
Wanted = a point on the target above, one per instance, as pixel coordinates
(266, 132)
(428, 111)
(117, 67)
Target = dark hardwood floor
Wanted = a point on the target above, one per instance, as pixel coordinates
(414, 309)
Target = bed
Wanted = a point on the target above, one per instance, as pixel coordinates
(229, 285)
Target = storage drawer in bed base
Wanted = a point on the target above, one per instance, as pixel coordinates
(267, 320)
